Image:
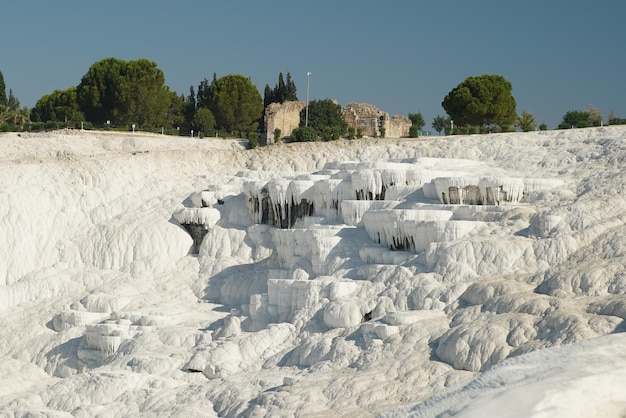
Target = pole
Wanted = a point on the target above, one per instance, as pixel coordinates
(306, 120)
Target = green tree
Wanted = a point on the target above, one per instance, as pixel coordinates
(575, 119)
(440, 123)
(176, 111)
(326, 118)
(480, 101)
(3, 92)
(58, 106)
(526, 122)
(124, 92)
(204, 121)
(149, 96)
(417, 123)
(236, 104)
(268, 96)
(543, 127)
(283, 91)
(13, 103)
(13, 117)
(290, 90)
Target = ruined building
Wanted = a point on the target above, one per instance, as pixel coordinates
(371, 120)
(286, 117)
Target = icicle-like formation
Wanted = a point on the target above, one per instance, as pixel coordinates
(352, 211)
(329, 195)
(305, 245)
(282, 202)
(470, 190)
(409, 230)
(371, 184)
(200, 216)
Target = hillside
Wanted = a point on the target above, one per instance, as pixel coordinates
(352, 277)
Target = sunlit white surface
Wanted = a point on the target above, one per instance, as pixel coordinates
(333, 278)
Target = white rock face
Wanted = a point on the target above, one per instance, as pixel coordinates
(332, 278)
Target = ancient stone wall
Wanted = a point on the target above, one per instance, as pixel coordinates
(284, 116)
(371, 120)
(397, 126)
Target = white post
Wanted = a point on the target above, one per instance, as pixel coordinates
(133, 128)
(306, 120)
(192, 133)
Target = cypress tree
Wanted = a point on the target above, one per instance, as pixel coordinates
(3, 92)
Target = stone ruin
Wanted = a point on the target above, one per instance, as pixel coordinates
(286, 117)
(372, 120)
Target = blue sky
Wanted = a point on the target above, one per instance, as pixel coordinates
(402, 56)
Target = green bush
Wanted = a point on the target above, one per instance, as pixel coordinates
(304, 134)
(277, 133)
(351, 132)
(253, 140)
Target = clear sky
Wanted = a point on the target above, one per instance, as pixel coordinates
(402, 56)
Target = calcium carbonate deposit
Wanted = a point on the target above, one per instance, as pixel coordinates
(156, 276)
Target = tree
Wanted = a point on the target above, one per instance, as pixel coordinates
(12, 102)
(58, 106)
(236, 104)
(203, 120)
(149, 96)
(417, 123)
(290, 90)
(480, 101)
(268, 96)
(326, 118)
(575, 119)
(440, 123)
(615, 120)
(283, 91)
(526, 122)
(3, 92)
(595, 116)
(124, 92)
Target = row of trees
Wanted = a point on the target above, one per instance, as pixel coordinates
(115, 92)
(120, 93)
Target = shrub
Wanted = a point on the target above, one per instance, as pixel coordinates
(304, 134)
(350, 132)
(277, 133)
